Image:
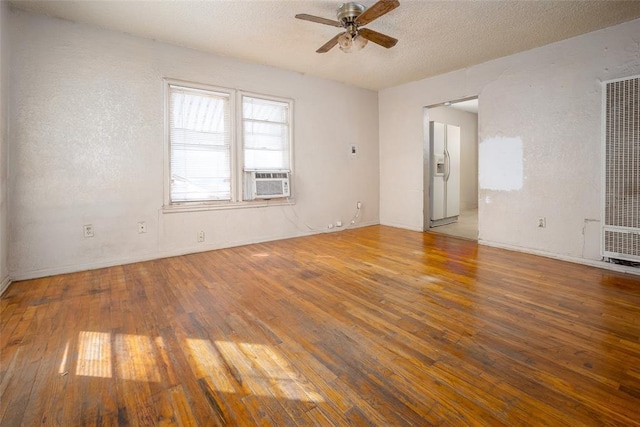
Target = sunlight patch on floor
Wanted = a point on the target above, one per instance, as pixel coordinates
(94, 354)
(246, 368)
(63, 363)
(206, 361)
(135, 357)
(267, 373)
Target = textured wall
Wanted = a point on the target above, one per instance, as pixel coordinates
(4, 77)
(549, 99)
(86, 147)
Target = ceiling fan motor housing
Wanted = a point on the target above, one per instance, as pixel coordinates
(348, 12)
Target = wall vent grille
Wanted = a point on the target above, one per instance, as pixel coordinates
(621, 234)
(622, 243)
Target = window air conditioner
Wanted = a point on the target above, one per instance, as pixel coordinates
(266, 184)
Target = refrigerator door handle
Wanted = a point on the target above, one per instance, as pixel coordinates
(447, 161)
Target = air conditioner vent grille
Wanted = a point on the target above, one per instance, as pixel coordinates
(268, 175)
(270, 188)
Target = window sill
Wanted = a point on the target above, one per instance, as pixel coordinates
(214, 206)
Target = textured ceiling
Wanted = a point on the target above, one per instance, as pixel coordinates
(434, 36)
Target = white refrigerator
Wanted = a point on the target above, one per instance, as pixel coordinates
(444, 189)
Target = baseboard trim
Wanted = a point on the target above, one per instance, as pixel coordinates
(590, 262)
(35, 274)
(4, 285)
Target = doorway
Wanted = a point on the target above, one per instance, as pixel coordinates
(456, 116)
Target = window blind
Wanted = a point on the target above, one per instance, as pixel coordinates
(265, 134)
(200, 144)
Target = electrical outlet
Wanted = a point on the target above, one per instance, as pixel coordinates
(542, 222)
(330, 226)
(142, 227)
(353, 151)
(201, 237)
(338, 223)
(88, 230)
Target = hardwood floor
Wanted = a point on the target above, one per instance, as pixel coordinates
(369, 326)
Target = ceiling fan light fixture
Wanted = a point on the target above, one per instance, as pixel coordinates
(345, 41)
(359, 42)
(350, 44)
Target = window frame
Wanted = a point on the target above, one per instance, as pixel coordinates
(237, 174)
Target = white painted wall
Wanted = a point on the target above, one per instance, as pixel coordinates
(549, 99)
(4, 76)
(468, 124)
(86, 147)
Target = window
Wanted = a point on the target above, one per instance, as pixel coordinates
(200, 144)
(265, 126)
(207, 157)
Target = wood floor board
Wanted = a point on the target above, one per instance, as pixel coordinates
(371, 326)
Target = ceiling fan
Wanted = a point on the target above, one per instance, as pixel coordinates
(351, 16)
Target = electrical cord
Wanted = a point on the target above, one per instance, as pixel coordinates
(297, 220)
(356, 215)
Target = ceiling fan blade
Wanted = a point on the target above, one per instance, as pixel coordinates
(376, 10)
(378, 38)
(318, 19)
(328, 45)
